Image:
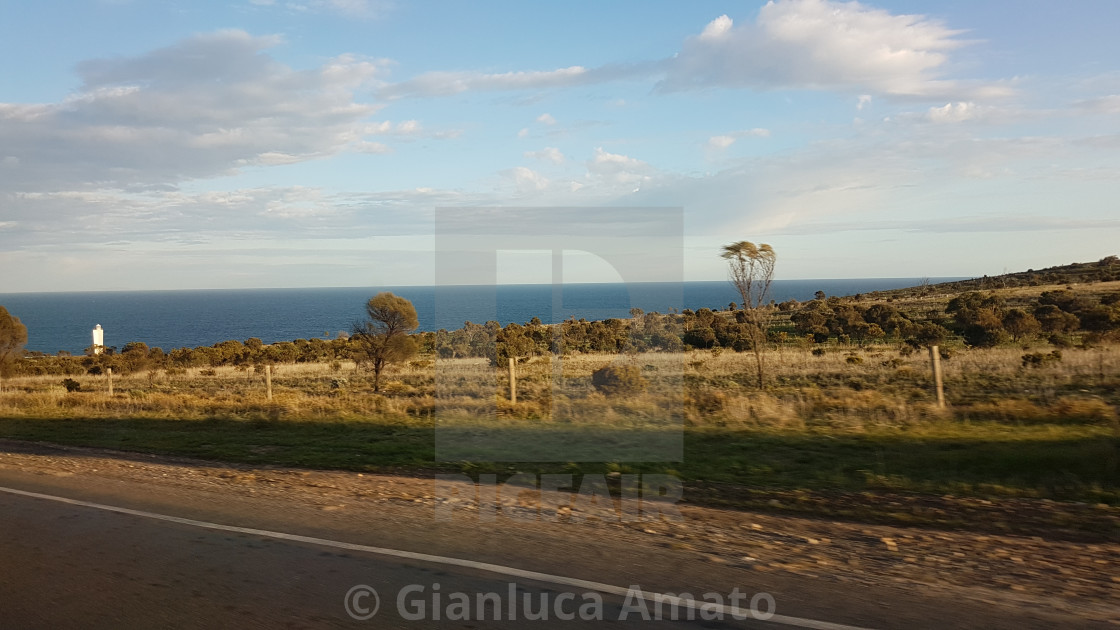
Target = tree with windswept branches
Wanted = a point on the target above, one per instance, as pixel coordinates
(383, 338)
(751, 270)
(13, 336)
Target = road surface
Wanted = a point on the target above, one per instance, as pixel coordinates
(193, 545)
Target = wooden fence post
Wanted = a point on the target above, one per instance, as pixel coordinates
(110, 373)
(935, 364)
(268, 380)
(512, 382)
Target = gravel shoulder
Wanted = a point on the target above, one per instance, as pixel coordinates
(1051, 576)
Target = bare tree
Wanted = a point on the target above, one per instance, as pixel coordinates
(383, 338)
(13, 336)
(751, 270)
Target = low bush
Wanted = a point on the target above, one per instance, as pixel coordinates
(1039, 359)
(618, 380)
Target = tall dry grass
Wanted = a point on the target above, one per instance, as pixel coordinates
(848, 389)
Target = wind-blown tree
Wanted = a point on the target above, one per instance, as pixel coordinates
(13, 336)
(383, 339)
(751, 270)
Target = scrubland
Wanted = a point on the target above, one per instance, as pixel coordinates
(850, 420)
(839, 428)
(846, 390)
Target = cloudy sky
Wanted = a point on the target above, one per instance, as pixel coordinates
(152, 144)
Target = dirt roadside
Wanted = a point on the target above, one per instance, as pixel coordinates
(1081, 579)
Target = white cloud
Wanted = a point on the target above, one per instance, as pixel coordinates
(968, 111)
(822, 44)
(609, 170)
(720, 142)
(717, 28)
(523, 133)
(367, 146)
(1109, 104)
(547, 154)
(527, 180)
(864, 101)
(406, 129)
(954, 112)
(792, 44)
(725, 140)
(546, 119)
(448, 83)
(345, 8)
(204, 106)
(355, 8)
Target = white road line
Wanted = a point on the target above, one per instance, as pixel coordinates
(656, 598)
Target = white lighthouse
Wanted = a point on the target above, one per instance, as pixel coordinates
(98, 339)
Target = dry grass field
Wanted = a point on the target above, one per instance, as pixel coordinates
(847, 389)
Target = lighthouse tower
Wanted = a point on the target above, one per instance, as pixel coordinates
(98, 339)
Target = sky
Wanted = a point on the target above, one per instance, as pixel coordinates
(287, 143)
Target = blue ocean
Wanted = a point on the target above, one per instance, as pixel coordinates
(174, 319)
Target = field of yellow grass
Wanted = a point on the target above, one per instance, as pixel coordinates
(853, 421)
(845, 389)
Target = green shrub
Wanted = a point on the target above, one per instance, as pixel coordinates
(71, 385)
(618, 380)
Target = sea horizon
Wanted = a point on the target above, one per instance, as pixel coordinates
(174, 318)
(932, 279)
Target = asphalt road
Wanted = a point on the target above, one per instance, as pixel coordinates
(78, 566)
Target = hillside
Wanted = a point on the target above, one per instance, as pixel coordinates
(1106, 269)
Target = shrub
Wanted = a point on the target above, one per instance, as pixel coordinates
(853, 359)
(927, 335)
(1060, 341)
(818, 352)
(71, 385)
(981, 336)
(618, 380)
(1039, 359)
(208, 372)
(1082, 411)
(396, 388)
(707, 401)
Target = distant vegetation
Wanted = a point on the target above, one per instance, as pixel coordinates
(1083, 308)
(1032, 381)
